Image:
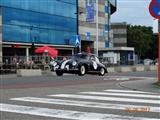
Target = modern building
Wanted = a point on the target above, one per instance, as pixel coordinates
(56, 23)
(50, 23)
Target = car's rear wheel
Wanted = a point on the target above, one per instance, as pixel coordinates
(102, 71)
(59, 73)
(82, 70)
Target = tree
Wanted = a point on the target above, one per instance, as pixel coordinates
(139, 37)
(153, 51)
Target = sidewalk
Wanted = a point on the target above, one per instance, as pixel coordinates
(142, 85)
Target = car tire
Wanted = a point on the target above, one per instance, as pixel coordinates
(59, 73)
(102, 72)
(82, 70)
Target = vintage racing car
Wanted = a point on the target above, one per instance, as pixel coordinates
(80, 64)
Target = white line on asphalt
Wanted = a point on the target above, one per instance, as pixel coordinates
(84, 103)
(127, 91)
(113, 78)
(122, 94)
(132, 77)
(66, 114)
(107, 98)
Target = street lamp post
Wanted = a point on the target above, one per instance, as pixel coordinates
(97, 28)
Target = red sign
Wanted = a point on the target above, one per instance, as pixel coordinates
(154, 8)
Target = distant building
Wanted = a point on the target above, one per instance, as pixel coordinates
(119, 54)
(119, 34)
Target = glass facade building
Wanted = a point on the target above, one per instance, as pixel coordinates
(39, 21)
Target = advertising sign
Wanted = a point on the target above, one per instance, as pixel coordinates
(89, 10)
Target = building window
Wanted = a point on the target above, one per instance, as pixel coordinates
(106, 28)
(106, 9)
(107, 44)
(42, 22)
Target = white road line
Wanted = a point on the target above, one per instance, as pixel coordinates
(107, 98)
(122, 94)
(131, 77)
(66, 114)
(127, 91)
(113, 78)
(84, 103)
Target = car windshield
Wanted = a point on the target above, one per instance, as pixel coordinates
(79, 56)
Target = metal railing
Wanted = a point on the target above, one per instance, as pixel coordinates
(10, 64)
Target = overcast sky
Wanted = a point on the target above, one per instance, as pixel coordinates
(133, 12)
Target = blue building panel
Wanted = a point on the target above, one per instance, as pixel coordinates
(39, 21)
(106, 9)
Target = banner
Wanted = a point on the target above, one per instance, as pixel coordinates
(89, 10)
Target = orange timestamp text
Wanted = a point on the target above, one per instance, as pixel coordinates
(137, 109)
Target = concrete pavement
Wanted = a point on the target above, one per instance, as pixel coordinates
(141, 85)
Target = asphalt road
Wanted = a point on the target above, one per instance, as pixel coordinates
(73, 97)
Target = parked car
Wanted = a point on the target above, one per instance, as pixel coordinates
(156, 61)
(148, 61)
(80, 64)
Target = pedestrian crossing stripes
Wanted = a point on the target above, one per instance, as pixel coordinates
(66, 114)
(122, 94)
(89, 97)
(83, 103)
(102, 100)
(127, 91)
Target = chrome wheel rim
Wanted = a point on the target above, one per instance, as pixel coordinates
(102, 71)
(82, 70)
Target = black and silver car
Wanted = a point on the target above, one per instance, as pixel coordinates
(80, 64)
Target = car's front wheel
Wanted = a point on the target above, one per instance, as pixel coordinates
(59, 73)
(82, 70)
(102, 71)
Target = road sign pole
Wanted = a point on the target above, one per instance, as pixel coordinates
(154, 11)
(159, 56)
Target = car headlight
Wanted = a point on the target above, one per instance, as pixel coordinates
(74, 63)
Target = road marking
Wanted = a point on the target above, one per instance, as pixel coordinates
(107, 98)
(83, 103)
(131, 77)
(113, 78)
(65, 114)
(122, 94)
(127, 91)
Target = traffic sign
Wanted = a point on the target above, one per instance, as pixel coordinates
(154, 8)
(88, 35)
(77, 40)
